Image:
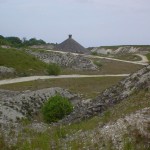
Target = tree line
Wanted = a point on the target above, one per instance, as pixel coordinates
(17, 42)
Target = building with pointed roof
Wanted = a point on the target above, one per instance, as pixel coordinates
(70, 45)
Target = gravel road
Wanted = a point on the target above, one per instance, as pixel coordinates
(32, 78)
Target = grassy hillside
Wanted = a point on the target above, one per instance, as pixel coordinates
(87, 134)
(23, 63)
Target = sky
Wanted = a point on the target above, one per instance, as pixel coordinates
(91, 22)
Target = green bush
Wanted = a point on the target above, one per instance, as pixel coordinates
(56, 108)
(94, 53)
(98, 63)
(53, 69)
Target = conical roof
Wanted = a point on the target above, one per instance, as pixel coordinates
(70, 45)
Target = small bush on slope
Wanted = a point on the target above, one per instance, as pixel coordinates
(98, 64)
(56, 108)
(53, 69)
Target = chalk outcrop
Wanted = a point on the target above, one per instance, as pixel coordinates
(6, 71)
(115, 134)
(16, 105)
(66, 60)
(120, 50)
(137, 81)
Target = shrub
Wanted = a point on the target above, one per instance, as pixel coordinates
(94, 53)
(98, 63)
(53, 69)
(56, 108)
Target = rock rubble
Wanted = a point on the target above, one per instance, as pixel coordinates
(5, 71)
(66, 60)
(137, 81)
(15, 105)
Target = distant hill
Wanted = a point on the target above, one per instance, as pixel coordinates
(121, 49)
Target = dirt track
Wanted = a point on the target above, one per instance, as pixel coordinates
(143, 62)
(32, 78)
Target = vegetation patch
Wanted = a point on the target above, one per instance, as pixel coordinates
(98, 64)
(106, 67)
(94, 53)
(56, 108)
(88, 87)
(148, 56)
(23, 63)
(129, 57)
(116, 67)
(53, 69)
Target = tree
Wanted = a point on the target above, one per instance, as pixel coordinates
(1, 37)
(34, 41)
(14, 41)
(3, 41)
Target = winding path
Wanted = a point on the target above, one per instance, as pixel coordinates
(32, 78)
(143, 57)
(144, 62)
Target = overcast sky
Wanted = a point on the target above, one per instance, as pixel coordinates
(92, 22)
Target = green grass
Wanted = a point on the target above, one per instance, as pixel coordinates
(23, 63)
(106, 67)
(98, 64)
(89, 87)
(116, 67)
(129, 57)
(3, 146)
(148, 56)
(67, 71)
(137, 101)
